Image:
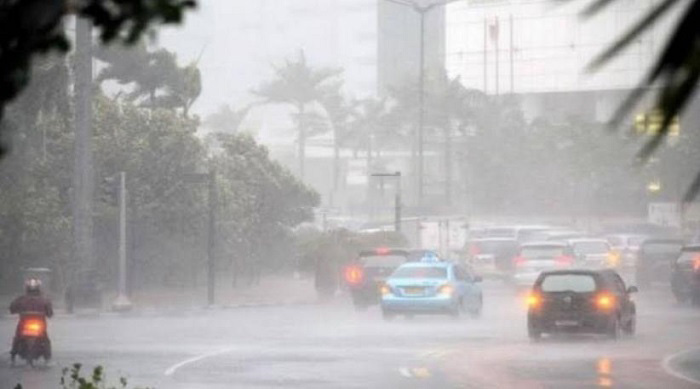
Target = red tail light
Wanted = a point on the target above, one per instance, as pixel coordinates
(564, 260)
(474, 250)
(533, 300)
(383, 251)
(696, 263)
(33, 327)
(354, 275)
(519, 261)
(605, 301)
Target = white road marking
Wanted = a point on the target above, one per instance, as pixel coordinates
(666, 365)
(172, 369)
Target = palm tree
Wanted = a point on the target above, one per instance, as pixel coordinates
(368, 124)
(157, 80)
(675, 74)
(339, 112)
(449, 108)
(299, 85)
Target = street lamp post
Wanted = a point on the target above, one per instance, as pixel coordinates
(422, 11)
(210, 179)
(397, 198)
(122, 302)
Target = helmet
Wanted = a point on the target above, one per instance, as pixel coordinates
(32, 286)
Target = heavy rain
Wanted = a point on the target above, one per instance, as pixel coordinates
(349, 194)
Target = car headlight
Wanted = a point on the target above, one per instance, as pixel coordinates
(385, 290)
(446, 290)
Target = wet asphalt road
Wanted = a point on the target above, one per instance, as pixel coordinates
(332, 346)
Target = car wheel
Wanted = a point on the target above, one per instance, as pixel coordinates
(533, 333)
(475, 311)
(614, 328)
(456, 310)
(631, 327)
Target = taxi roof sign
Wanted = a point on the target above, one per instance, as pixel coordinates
(430, 256)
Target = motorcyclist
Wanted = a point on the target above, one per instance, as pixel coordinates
(34, 303)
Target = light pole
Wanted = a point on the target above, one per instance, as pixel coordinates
(422, 11)
(397, 199)
(122, 302)
(210, 179)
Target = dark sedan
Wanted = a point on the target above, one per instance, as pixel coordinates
(581, 301)
(685, 276)
(655, 260)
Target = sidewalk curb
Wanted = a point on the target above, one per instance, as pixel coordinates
(150, 312)
(668, 361)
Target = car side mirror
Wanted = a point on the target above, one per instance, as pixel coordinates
(632, 289)
(478, 279)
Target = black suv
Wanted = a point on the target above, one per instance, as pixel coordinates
(655, 260)
(583, 301)
(367, 273)
(685, 276)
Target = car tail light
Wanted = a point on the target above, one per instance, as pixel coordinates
(383, 251)
(534, 300)
(605, 301)
(474, 250)
(564, 260)
(696, 263)
(519, 261)
(354, 275)
(446, 290)
(33, 327)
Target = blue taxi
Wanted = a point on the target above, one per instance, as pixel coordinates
(429, 287)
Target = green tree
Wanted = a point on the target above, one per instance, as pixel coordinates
(340, 112)
(33, 27)
(299, 85)
(260, 204)
(675, 73)
(154, 77)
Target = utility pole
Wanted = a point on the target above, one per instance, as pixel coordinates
(512, 49)
(211, 237)
(422, 11)
(83, 179)
(122, 302)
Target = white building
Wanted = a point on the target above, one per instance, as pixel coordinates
(540, 49)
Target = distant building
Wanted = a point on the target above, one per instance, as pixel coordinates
(539, 50)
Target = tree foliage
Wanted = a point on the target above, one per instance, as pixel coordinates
(675, 73)
(298, 84)
(32, 27)
(154, 77)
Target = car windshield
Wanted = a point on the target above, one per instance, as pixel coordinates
(530, 234)
(583, 248)
(541, 252)
(580, 283)
(417, 255)
(383, 260)
(420, 272)
(662, 247)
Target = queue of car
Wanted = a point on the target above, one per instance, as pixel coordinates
(572, 278)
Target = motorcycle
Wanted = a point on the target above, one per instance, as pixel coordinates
(32, 340)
